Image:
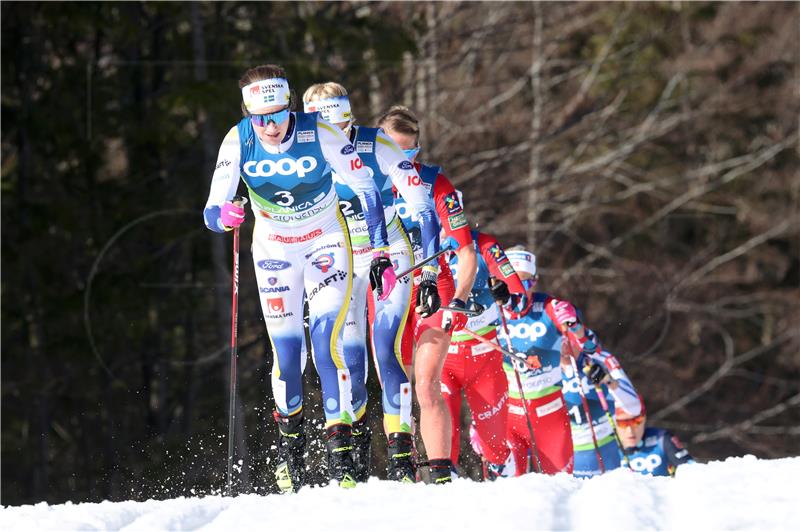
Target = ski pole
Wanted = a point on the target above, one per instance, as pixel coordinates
(534, 449)
(238, 200)
(604, 403)
(422, 263)
(584, 401)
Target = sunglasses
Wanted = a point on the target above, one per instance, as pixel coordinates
(410, 154)
(632, 422)
(278, 118)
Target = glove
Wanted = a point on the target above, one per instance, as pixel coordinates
(454, 321)
(381, 274)
(566, 315)
(428, 300)
(231, 215)
(499, 290)
(596, 373)
(475, 440)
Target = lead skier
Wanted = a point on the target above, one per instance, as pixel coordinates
(300, 245)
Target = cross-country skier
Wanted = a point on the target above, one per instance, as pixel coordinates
(597, 369)
(390, 168)
(300, 245)
(474, 367)
(650, 450)
(536, 332)
(432, 334)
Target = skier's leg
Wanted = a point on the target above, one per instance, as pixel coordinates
(487, 395)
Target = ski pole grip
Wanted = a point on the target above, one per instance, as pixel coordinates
(241, 201)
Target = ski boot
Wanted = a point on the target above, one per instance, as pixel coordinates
(440, 470)
(493, 471)
(339, 440)
(290, 472)
(362, 449)
(401, 464)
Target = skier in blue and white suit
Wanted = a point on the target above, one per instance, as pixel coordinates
(650, 450)
(300, 245)
(390, 168)
(602, 368)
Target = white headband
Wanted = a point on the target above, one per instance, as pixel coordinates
(334, 110)
(522, 261)
(266, 93)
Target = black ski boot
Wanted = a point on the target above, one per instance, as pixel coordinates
(362, 449)
(339, 440)
(291, 470)
(401, 462)
(440, 470)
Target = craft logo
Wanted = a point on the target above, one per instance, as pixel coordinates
(323, 262)
(275, 305)
(452, 203)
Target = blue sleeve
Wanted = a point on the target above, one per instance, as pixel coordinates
(212, 219)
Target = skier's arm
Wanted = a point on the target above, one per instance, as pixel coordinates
(224, 182)
(408, 184)
(455, 226)
(619, 385)
(342, 156)
(505, 284)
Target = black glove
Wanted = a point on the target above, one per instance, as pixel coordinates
(596, 373)
(378, 265)
(499, 290)
(428, 296)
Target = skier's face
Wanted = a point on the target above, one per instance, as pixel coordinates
(630, 428)
(528, 282)
(406, 142)
(271, 133)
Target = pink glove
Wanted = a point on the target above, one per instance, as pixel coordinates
(381, 274)
(566, 315)
(475, 440)
(231, 215)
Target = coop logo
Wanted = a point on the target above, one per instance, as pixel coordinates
(573, 386)
(648, 463)
(286, 166)
(527, 331)
(323, 262)
(274, 265)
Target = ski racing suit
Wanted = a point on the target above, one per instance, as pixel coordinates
(300, 246)
(476, 368)
(622, 393)
(389, 168)
(659, 453)
(534, 332)
(454, 232)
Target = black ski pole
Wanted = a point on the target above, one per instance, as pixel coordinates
(234, 348)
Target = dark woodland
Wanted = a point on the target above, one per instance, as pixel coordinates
(646, 152)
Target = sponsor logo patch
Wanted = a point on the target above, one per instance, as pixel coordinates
(348, 149)
(275, 305)
(286, 166)
(507, 269)
(295, 239)
(274, 265)
(306, 136)
(364, 146)
(323, 262)
(405, 165)
(452, 203)
(457, 221)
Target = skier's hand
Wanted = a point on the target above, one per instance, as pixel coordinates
(381, 274)
(566, 315)
(231, 215)
(499, 290)
(428, 300)
(454, 321)
(596, 373)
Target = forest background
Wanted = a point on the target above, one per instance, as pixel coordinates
(647, 153)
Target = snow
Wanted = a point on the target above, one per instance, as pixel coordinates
(736, 494)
